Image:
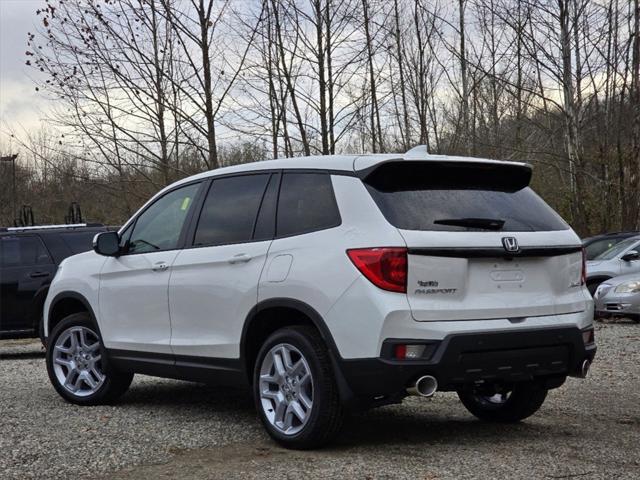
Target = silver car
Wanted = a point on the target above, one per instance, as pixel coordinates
(619, 297)
(621, 259)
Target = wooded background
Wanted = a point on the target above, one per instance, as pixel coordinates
(149, 91)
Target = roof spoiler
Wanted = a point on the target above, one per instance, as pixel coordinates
(443, 175)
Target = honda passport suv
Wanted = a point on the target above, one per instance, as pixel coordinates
(329, 284)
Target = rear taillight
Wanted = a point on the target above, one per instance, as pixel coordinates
(385, 267)
(588, 336)
(408, 352)
(583, 276)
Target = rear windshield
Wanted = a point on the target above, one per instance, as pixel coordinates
(460, 197)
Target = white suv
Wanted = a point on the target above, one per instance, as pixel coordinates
(329, 284)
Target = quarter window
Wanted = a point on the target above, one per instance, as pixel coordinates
(159, 226)
(230, 210)
(306, 204)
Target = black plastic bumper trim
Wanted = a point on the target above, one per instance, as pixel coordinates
(469, 358)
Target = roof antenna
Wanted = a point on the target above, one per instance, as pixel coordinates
(417, 152)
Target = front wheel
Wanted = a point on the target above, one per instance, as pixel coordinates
(77, 366)
(506, 405)
(295, 390)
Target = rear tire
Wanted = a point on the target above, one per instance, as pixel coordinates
(521, 402)
(77, 364)
(295, 390)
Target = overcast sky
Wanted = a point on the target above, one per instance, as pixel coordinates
(20, 105)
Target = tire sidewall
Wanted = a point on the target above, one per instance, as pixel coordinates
(305, 347)
(77, 320)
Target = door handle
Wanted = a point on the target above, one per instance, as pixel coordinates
(239, 258)
(38, 274)
(160, 267)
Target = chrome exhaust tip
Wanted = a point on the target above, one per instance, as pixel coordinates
(425, 386)
(584, 368)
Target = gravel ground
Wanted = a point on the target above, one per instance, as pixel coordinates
(170, 429)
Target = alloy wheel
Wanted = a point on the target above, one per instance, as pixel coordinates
(77, 361)
(286, 388)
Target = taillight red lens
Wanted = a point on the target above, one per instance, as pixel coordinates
(583, 277)
(385, 267)
(400, 352)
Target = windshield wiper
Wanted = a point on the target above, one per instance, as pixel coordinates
(484, 223)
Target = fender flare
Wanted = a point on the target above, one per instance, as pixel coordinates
(293, 304)
(346, 393)
(76, 296)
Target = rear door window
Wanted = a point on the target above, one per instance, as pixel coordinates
(306, 204)
(23, 251)
(446, 197)
(230, 210)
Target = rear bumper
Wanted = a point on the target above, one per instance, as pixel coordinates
(468, 358)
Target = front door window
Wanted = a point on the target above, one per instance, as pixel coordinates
(159, 226)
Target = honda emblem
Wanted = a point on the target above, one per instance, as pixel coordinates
(510, 244)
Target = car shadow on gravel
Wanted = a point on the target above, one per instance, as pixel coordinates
(178, 395)
(21, 355)
(377, 428)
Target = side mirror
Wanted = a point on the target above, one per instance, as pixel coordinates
(630, 256)
(107, 244)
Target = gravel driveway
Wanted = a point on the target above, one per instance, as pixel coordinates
(170, 429)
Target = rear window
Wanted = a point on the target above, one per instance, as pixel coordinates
(460, 197)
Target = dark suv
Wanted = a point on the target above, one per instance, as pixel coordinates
(29, 258)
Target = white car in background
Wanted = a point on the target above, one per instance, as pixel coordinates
(621, 259)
